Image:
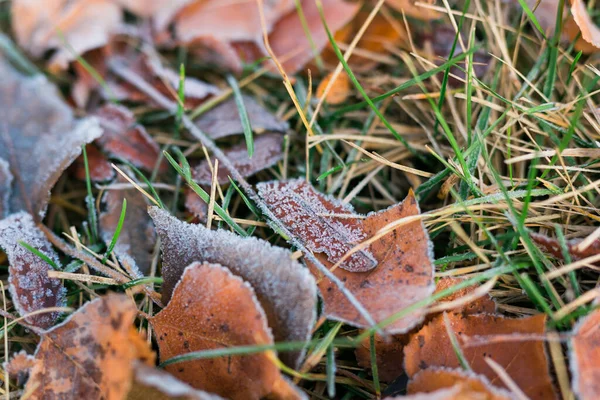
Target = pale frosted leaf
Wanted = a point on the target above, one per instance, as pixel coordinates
(585, 357)
(211, 308)
(30, 287)
(285, 288)
(267, 151)
(318, 221)
(5, 182)
(137, 238)
(161, 11)
(37, 126)
(99, 166)
(224, 119)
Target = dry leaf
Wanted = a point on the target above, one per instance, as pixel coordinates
(484, 304)
(161, 11)
(552, 246)
(267, 151)
(589, 31)
(404, 271)
(409, 8)
(210, 309)
(340, 90)
(137, 239)
(30, 287)
(285, 289)
(37, 125)
(195, 205)
(99, 166)
(19, 366)
(585, 357)
(91, 354)
(224, 119)
(525, 361)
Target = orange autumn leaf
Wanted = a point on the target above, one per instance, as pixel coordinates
(409, 8)
(210, 309)
(483, 304)
(525, 361)
(403, 270)
(91, 355)
(585, 357)
(339, 91)
(589, 30)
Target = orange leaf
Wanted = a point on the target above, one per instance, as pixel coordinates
(589, 31)
(484, 304)
(285, 289)
(525, 361)
(339, 91)
(91, 354)
(552, 246)
(30, 287)
(403, 274)
(211, 309)
(409, 8)
(585, 357)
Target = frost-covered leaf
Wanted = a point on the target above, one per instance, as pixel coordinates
(525, 361)
(585, 357)
(267, 151)
(552, 246)
(5, 182)
(403, 273)
(285, 289)
(483, 304)
(124, 138)
(210, 309)
(324, 224)
(100, 168)
(37, 125)
(19, 366)
(224, 119)
(91, 355)
(30, 287)
(137, 238)
(155, 384)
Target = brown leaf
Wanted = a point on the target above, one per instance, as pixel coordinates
(195, 205)
(484, 304)
(285, 289)
(5, 182)
(340, 90)
(124, 138)
(91, 354)
(37, 125)
(210, 309)
(525, 361)
(267, 151)
(404, 271)
(585, 357)
(100, 168)
(161, 11)
(19, 366)
(589, 31)
(552, 246)
(409, 8)
(137, 239)
(224, 119)
(30, 287)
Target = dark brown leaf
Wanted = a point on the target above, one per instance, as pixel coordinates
(285, 288)
(100, 168)
(210, 309)
(552, 246)
(585, 357)
(30, 287)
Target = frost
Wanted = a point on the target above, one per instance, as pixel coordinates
(5, 181)
(30, 287)
(286, 290)
(316, 220)
(39, 138)
(224, 119)
(267, 151)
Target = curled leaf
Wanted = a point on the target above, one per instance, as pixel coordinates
(525, 361)
(91, 354)
(585, 357)
(211, 309)
(30, 287)
(285, 289)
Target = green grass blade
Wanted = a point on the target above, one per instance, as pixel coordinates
(239, 102)
(115, 237)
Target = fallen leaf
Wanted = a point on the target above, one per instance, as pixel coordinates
(137, 238)
(525, 361)
(37, 125)
(552, 246)
(484, 304)
(91, 354)
(585, 357)
(99, 166)
(5, 182)
(161, 11)
(589, 31)
(19, 366)
(124, 138)
(285, 289)
(210, 309)
(267, 151)
(224, 119)
(195, 205)
(30, 287)
(404, 271)
(409, 8)
(339, 92)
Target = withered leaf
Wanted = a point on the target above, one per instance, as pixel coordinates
(585, 357)
(285, 289)
(126, 139)
(525, 361)
(267, 151)
(211, 308)
(404, 271)
(5, 181)
(30, 287)
(137, 237)
(340, 89)
(552, 246)
(484, 304)
(589, 30)
(37, 125)
(91, 354)
(161, 11)
(19, 366)
(224, 119)
(195, 205)
(409, 8)
(99, 166)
